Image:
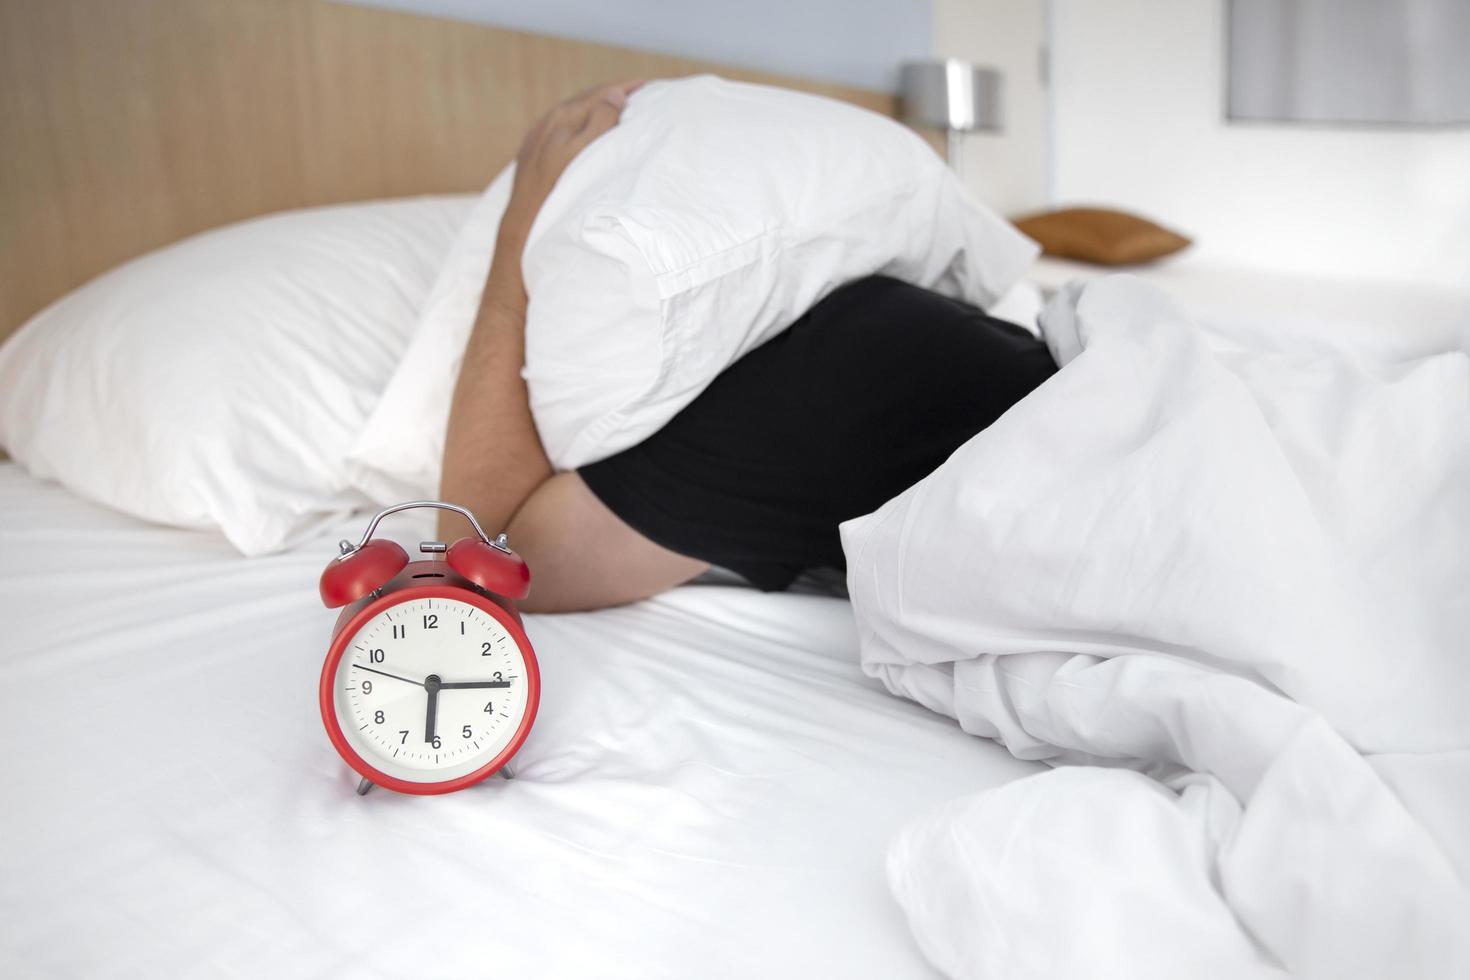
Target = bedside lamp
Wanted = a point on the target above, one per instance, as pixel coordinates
(954, 96)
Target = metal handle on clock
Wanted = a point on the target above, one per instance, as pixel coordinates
(499, 541)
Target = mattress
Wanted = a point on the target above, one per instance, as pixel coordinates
(709, 789)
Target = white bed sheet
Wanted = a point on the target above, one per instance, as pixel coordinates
(1226, 591)
(709, 790)
(1380, 317)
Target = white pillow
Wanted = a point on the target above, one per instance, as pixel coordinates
(710, 218)
(1021, 305)
(397, 454)
(218, 382)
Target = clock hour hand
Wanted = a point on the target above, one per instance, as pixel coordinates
(386, 674)
(462, 685)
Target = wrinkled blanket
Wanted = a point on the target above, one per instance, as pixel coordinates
(1225, 588)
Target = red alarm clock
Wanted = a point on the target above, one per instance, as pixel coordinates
(430, 683)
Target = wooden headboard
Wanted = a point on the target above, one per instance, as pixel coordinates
(128, 124)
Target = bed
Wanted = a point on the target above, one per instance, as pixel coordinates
(711, 779)
(707, 792)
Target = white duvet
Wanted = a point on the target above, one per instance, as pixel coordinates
(1227, 590)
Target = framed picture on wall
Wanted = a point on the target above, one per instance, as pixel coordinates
(1362, 62)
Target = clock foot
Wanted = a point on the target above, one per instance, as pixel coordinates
(364, 786)
(507, 772)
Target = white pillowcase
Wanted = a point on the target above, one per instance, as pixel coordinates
(218, 382)
(707, 221)
(397, 454)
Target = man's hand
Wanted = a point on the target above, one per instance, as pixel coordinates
(493, 457)
(553, 142)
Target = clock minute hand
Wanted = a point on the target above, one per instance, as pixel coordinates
(432, 684)
(461, 685)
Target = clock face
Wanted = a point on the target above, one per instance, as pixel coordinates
(430, 689)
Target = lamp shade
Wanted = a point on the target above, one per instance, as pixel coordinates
(951, 94)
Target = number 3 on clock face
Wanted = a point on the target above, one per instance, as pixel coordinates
(428, 692)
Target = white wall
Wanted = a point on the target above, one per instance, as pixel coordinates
(1008, 170)
(1134, 117)
(1138, 95)
(857, 42)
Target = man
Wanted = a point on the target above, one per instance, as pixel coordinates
(862, 397)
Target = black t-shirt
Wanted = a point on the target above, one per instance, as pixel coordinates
(860, 399)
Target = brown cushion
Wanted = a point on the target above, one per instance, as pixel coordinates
(1100, 235)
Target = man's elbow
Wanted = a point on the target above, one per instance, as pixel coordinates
(583, 557)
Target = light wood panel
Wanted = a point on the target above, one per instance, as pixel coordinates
(128, 124)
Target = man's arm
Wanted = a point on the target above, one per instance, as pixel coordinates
(493, 458)
(582, 555)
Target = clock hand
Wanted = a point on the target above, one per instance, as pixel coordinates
(460, 685)
(386, 674)
(431, 683)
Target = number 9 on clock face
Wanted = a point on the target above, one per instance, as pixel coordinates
(430, 692)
